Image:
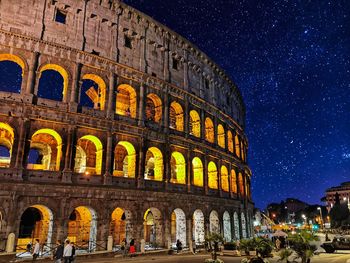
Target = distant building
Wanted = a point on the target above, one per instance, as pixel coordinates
(343, 191)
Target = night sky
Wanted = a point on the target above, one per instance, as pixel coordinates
(290, 59)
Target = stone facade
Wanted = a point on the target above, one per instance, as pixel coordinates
(163, 142)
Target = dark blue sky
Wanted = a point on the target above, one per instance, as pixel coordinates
(291, 60)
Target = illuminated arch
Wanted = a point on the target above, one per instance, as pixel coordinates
(224, 179)
(214, 222)
(7, 137)
(236, 226)
(124, 160)
(178, 168)
(230, 141)
(212, 176)
(36, 223)
(153, 108)
(120, 227)
(178, 227)
(47, 143)
(154, 164)
(237, 146)
(12, 70)
(126, 101)
(195, 124)
(197, 167)
(176, 116)
(82, 227)
(209, 130)
(233, 181)
(96, 97)
(227, 227)
(221, 136)
(93, 150)
(243, 151)
(198, 227)
(241, 184)
(42, 87)
(153, 228)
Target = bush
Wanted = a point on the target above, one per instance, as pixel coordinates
(230, 246)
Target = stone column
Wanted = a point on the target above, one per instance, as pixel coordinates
(230, 180)
(141, 164)
(167, 232)
(111, 97)
(186, 117)
(32, 67)
(167, 166)
(166, 71)
(69, 155)
(166, 111)
(201, 85)
(142, 103)
(202, 125)
(107, 177)
(186, 70)
(75, 88)
(189, 172)
(189, 235)
(205, 172)
(103, 232)
(61, 226)
(23, 145)
(216, 132)
(219, 177)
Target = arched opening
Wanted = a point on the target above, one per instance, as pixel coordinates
(195, 124)
(178, 168)
(153, 108)
(82, 227)
(224, 179)
(214, 222)
(45, 151)
(198, 227)
(120, 227)
(154, 164)
(88, 157)
(36, 223)
(236, 226)
(230, 141)
(11, 73)
(237, 146)
(241, 184)
(124, 160)
(178, 227)
(212, 176)
(227, 227)
(176, 116)
(209, 130)
(221, 136)
(7, 137)
(197, 167)
(244, 226)
(53, 82)
(233, 181)
(126, 101)
(153, 227)
(93, 92)
(242, 151)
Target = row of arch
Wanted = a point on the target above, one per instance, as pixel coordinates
(37, 222)
(53, 82)
(46, 152)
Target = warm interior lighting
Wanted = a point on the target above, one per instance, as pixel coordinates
(98, 97)
(153, 108)
(209, 130)
(195, 124)
(197, 167)
(212, 176)
(221, 136)
(154, 164)
(224, 179)
(126, 101)
(176, 116)
(178, 168)
(124, 160)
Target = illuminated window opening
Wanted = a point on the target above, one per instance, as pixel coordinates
(241, 184)
(6, 143)
(224, 179)
(178, 168)
(233, 181)
(154, 164)
(212, 176)
(197, 167)
(93, 92)
(221, 136)
(209, 130)
(195, 124)
(153, 108)
(126, 101)
(237, 146)
(124, 160)
(230, 141)
(176, 116)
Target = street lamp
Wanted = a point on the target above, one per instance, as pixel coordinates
(305, 218)
(320, 209)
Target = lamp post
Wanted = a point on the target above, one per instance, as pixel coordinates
(320, 209)
(305, 218)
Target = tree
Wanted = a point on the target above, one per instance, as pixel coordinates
(301, 245)
(338, 214)
(213, 240)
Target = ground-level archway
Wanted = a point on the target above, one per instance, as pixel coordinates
(227, 227)
(36, 223)
(178, 227)
(153, 234)
(236, 226)
(198, 227)
(214, 222)
(244, 226)
(120, 227)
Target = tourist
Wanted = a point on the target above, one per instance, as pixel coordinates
(67, 252)
(58, 255)
(72, 259)
(178, 245)
(132, 249)
(194, 246)
(36, 250)
(123, 247)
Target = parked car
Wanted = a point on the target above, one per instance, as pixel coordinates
(338, 243)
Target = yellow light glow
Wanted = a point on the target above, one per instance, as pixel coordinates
(158, 163)
(212, 176)
(197, 167)
(176, 116)
(224, 179)
(99, 151)
(9, 129)
(180, 168)
(233, 181)
(230, 141)
(126, 101)
(153, 108)
(13, 58)
(130, 159)
(209, 130)
(241, 184)
(195, 124)
(101, 88)
(221, 136)
(62, 72)
(237, 144)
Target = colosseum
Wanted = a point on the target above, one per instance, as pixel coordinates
(113, 126)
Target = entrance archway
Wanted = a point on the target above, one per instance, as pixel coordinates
(244, 225)
(227, 227)
(120, 226)
(198, 227)
(82, 227)
(214, 222)
(236, 225)
(178, 227)
(36, 223)
(153, 227)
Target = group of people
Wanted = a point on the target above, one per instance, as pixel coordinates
(127, 248)
(62, 253)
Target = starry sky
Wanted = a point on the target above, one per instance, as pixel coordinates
(291, 61)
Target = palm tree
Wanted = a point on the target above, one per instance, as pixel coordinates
(213, 240)
(284, 254)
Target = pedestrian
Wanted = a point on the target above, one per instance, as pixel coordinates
(194, 246)
(58, 255)
(178, 245)
(29, 247)
(72, 258)
(132, 248)
(123, 247)
(67, 252)
(36, 250)
(278, 244)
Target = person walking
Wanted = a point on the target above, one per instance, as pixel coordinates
(132, 249)
(67, 252)
(194, 246)
(36, 250)
(72, 258)
(58, 255)
(178, 245)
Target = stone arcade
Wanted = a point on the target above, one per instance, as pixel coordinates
(140, 135)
